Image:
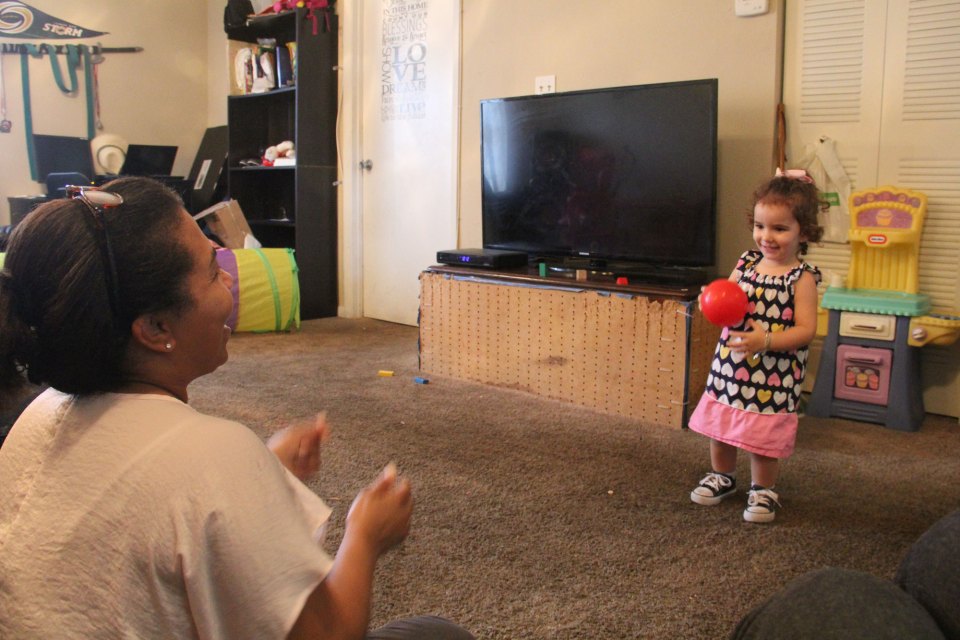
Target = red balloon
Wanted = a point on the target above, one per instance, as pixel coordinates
(723, 303)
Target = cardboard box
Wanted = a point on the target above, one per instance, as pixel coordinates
(227, 221)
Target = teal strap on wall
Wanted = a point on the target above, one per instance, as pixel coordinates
(27, 112)
(273, 288)
(74, 54)
(295, 303)
(88, 86)
(73, 61)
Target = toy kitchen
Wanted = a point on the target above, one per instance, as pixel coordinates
(870, 362)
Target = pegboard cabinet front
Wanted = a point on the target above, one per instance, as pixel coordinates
(621, 353)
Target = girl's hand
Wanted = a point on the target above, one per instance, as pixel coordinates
(748, 342)
(298, 446)
(381, 513)
(754, 340)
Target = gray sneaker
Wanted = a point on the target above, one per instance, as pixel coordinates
(713, 488)
(762, 505)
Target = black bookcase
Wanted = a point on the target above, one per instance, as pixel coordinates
(294, 206)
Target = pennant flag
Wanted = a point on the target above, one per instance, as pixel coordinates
(19, 20)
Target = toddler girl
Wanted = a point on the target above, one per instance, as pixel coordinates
(753, 388)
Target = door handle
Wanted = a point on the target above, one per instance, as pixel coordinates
(366, 164)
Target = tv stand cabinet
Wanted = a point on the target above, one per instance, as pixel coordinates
(641, 351)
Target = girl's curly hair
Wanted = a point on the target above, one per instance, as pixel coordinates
(800, 196)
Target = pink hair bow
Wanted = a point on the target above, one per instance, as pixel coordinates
(796, 174)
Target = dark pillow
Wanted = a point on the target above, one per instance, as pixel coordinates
(838, 604)
(930, 573)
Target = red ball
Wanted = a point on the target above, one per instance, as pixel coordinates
(723, 303)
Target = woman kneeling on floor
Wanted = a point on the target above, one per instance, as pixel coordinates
(126, 513)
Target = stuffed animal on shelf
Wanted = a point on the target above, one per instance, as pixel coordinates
(284, 5)
(290, 5)
(280, 155)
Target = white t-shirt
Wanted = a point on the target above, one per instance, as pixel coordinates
(135, 516)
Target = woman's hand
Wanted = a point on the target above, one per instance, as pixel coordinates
(381, 512)
(378, 520)
(298, 446)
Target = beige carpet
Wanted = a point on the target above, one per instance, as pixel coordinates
(538, 519)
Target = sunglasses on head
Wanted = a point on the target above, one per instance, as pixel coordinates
(96, 201)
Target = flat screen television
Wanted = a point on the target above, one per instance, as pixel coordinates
(620, 177)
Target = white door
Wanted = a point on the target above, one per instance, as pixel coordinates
(410, 117)
(880, 79)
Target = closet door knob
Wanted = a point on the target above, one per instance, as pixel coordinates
(366, 164)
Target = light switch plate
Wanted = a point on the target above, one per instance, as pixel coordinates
(745, 8)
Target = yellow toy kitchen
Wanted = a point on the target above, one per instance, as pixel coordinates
(870, 363)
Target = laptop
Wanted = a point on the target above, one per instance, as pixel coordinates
(148, 160)
(62, 154)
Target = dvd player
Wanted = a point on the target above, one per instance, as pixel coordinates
(488, 258)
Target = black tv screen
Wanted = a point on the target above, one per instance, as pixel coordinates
(625, 174)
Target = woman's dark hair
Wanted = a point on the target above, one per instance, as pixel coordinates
(801, 197)
(57, 324)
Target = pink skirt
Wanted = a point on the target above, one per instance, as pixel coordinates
(768, 434)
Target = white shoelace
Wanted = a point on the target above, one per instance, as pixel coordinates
(762, 498)
(716, 481)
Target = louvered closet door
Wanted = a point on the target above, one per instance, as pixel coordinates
(883, 80)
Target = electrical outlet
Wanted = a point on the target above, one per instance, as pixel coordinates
(545, 84)
(745, 8)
